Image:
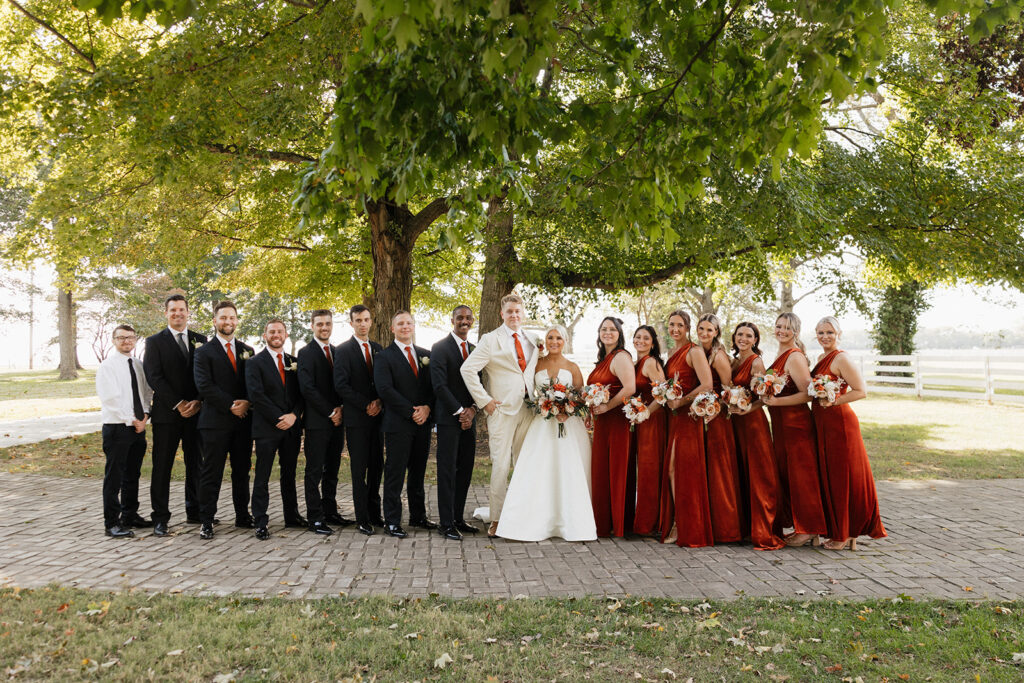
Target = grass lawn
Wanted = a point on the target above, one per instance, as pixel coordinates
(68, 634)
(38, 393)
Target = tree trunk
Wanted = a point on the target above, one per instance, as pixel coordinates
(66, 335)
(786, 302)
(499, 265)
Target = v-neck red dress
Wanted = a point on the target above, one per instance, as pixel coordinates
(613, 474)
(723, 474)
(649, 446)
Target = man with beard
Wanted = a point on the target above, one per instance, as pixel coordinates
(276, 425)
(225, 424)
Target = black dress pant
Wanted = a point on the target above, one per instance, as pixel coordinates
(406, 451)
(166, 437)
(219, 446)
(286, 447)
(124, 449)
(456, 452)
(366, 460)
(323, 460)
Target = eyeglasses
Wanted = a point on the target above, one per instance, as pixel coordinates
(122, 337)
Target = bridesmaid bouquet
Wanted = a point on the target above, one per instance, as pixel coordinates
(554, 398)
(666, 391)
(825, 388)
(705, 406)
(636, 411)
(595, 395)
(737, 397)
(769, 384)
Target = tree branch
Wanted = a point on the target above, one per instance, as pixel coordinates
(60, 36)
(427, 215)
(268, 155)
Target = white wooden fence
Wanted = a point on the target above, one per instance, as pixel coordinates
(984, 377)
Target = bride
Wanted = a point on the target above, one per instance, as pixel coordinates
(549, 494)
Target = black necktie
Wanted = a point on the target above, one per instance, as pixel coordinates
(182, 345)
(136, 398)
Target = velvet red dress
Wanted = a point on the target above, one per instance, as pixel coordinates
(649, 447)
(684, 497)
(851, 504)
(613, 475)
(754, 448)
(723, 475)
(796, 455)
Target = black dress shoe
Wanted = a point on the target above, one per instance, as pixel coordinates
(136, 521)
(395, 530)
(423, 524)
(377, 521)
(466, 528)
(160, 529)
(365, 529)
(119, 532)
(297, 522)
(321, 528)
(335, 518)
(262, 533)
(245, 523)
(451, 533)
(206, 532)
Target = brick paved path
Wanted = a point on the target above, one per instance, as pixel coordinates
(944, 536)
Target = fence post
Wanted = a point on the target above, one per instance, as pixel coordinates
(989, 384)
(918, 382)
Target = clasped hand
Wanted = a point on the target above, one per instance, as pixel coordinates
(240, 408)
(286, 421)
(189, 408)
(420, 414)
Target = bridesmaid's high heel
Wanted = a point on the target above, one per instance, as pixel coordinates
(850, 543)
(800, 540)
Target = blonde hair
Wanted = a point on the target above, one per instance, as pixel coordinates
(831, 320)
(511, 299)
(558, 328)
(716, 343)
(794, 324)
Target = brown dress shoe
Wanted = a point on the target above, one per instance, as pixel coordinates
(492, 530)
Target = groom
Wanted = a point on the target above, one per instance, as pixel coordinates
(509, 359)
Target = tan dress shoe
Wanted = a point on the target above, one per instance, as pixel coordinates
(492, 530)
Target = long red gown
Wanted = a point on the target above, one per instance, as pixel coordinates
(723, 475)
(613, 478)
(796, 455)
(684, 501)
(649, 446)
(754, 446)
(851, 504)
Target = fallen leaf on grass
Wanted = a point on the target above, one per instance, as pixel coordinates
(175, 653)
(443, 661)
(411, 636)
(733, 640)
(968, 589)
(224, 678)
(834, 669)
(1018, 657)
(308, 611)
(490, 641)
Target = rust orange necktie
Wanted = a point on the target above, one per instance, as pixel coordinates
(465, 354)
(280, 368)
(327, 352)
(366, 353)
(231, 356)
(412, 361)
(519, 352)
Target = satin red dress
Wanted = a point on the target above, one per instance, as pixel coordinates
(723, 475)
(649, 447)
(754, 448)
(684, 501)
(796, 455)
(613, 475)
(851, 504)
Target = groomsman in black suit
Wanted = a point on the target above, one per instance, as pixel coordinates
(225, 424)
(168, 366)
(353, 380)
(273, 388)
(455, 414)
(402, 375)
(325, 436)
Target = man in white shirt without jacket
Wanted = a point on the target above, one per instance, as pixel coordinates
(125, 399)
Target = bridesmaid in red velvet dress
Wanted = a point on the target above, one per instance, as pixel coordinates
(796, 446)
(851, 505)
(754, 443)
(685, 512)
(613, 475)
(720, 444)
(649, 437)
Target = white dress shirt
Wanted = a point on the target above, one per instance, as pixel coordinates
(114, 387)
(527, 345)
(412, 349)
(175, 333)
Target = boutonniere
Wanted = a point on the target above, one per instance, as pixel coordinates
(540, 347)
(196, 343)
(246, 355)
(424, 361)
(289, 368)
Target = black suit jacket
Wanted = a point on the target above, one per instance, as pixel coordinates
(219, 385)
(400, 389)
(353, 381)
(271, 399)
(316, 382)
(450, 392)
(169, 374)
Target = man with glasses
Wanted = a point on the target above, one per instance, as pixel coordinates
(125, 400)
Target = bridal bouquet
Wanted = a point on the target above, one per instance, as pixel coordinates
(554, 398)
(596, 394)
(705, 406)
(666, 391)
(636, 411)
(737, 397)
(825, 388)
(769, 384)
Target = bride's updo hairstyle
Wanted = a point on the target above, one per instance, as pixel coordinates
(560, 329)
(621, 344)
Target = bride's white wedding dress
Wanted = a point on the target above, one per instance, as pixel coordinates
(549, 494)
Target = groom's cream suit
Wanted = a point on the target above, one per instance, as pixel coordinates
(506, 383)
